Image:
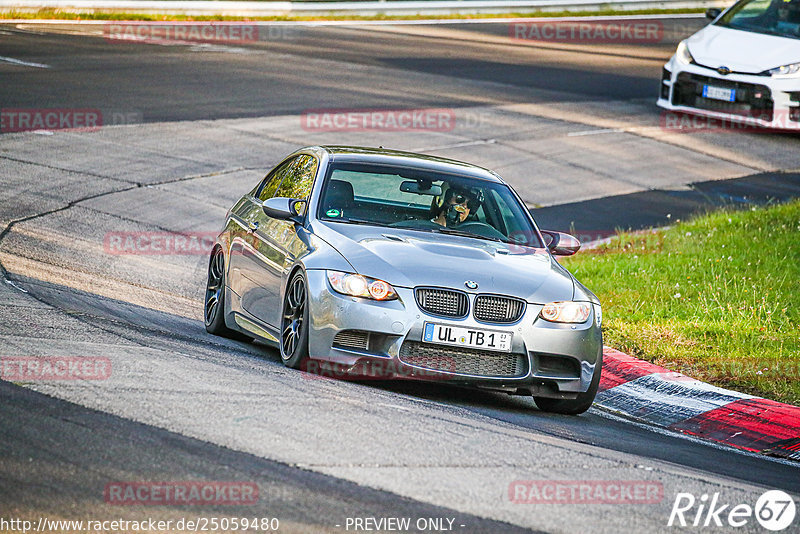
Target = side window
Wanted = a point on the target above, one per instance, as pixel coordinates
(272, 181)
(298, 179)
(514, 219)
(756, 8)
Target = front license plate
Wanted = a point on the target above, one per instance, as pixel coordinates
(719, 93)
(472, 338)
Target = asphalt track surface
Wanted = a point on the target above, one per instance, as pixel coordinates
(185, 405)
(167, 83)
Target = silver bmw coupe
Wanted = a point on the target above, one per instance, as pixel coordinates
(372, 263)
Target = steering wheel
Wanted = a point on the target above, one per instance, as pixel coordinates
(480, 228)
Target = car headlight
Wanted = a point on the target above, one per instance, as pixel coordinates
(784, 70)
(356, 285)
(682, 53)
(566, 312)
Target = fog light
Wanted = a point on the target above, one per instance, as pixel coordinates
(666, 76)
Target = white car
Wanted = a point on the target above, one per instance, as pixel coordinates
(742, 68)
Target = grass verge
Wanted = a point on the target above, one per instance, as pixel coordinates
(58, 14)
(716, 297)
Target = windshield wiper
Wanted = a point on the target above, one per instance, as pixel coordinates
(356, 221)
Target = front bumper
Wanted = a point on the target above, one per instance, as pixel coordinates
(760, 101)
(361, 338)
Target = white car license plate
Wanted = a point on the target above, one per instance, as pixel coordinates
(719, 93)
(473, 338)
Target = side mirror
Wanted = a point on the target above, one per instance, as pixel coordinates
(285, 209)
(713, 12)
(561, 244)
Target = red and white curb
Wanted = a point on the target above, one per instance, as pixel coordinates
(655, 395)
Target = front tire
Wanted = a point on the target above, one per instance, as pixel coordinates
(578, 405)
(294, 323)
(215, 299)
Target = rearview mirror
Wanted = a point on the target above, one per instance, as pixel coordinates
(285, 209)
(419, 188)
(561, 244)
(713, 12)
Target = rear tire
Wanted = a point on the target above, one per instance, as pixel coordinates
(294, 323)
(578, 405)
(214, 308)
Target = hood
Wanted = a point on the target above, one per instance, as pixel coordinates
(741, 51)
(407, 258)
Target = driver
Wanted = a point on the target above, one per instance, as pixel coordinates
(788, 12)
(455, 209)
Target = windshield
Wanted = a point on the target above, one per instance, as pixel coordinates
(773, 17)
(425, 201)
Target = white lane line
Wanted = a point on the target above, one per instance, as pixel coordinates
(207, 47)
(23, 63)
(456, 145)
(12, 284)
(613, 130)
(595, 132)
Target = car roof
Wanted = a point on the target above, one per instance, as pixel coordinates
(410, 159)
